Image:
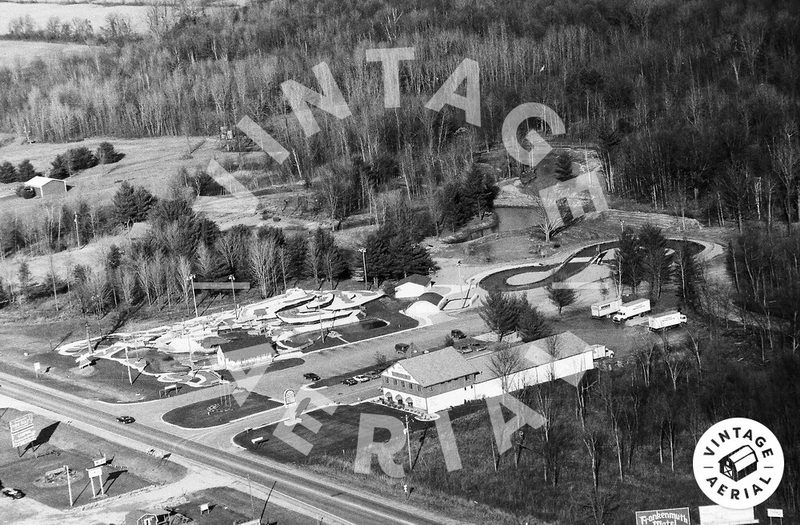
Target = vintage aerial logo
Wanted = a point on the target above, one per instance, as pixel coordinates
(738, 463)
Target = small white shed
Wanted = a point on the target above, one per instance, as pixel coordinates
(45, 186)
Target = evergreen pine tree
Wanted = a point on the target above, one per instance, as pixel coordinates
(26, 171)
(125, 209)
(563, 167)
(500, 313)
(8, 173)
(532, 325)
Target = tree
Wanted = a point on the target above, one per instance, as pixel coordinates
(656, 259)
(560, 295)
(500, 312)
(531, 324)
(563, 167)
(480, 191)
(8, 173)
(393, 254)
(24, 277)
(505, 362)
(295, 257)
(106, 154)
(629, 258)
(687, 276)
(131, 204)
(26, 171)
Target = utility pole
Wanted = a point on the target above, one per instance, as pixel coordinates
(283, 269)
(194, 297)
(88, 343)
(364, 260)
(128, 365)
(77, 230)
(408, 443)
(460, 281)
(231, 278)
(69, 484)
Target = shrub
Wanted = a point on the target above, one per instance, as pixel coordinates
(71, 162)
(26, 192)
(106, 154)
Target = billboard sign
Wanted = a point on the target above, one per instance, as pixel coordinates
(775, 513)
(717, 515)
(679, 516)
(22, 431)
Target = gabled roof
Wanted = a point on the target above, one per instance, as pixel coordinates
(436, 367)
(38, 181)
(415, 278)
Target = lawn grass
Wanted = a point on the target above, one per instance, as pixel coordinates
(196, 415)
(106, 376)
(232, 506)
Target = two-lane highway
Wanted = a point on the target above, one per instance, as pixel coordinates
(347, 505)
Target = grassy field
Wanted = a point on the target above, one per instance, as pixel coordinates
(59, 444)
(196, 415)
(23, 52)
(96, 14)
(222, 501)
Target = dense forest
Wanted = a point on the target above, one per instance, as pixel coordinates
(693, 103)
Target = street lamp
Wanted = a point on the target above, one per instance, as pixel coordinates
(460, 281)
(364, 260)
(194, 297)
(231, 278)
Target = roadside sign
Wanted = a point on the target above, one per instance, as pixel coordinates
(679, 516)
(774, 513)
(718, 515)
(37, 366)
(96, 472)
(22, 431)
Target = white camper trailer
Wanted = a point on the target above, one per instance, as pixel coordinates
(666, 320)
(632, 309)
(601, 352)
(606, 308)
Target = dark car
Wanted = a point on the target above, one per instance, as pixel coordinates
(126, 420)
(13, 493)
(401, 348)
(457, 334)
(312, 376)
(375, 374)
(349, 381)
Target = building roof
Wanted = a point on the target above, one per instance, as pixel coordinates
(414, 278)
(212, 341)
(436, 367)
(38, 181)
(431, 297)
(533, 354)
(250, 352)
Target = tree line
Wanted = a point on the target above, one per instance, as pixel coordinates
(685, 102)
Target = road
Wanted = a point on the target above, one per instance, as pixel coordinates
(343, 504)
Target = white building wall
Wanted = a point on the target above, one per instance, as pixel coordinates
(540, 374)
(438, 402)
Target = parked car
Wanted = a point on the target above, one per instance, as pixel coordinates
(13, 493)
(125, 420)
(401, 348)
(349, 381)
(312, 376)
(457, 334)
(361, 378)
(375, 374)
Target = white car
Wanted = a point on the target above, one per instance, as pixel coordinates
(361, 378)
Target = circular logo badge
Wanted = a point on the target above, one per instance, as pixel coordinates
(738, 463)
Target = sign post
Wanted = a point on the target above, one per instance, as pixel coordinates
(96, 472)
(775, 513)
(22, 431)
(36, 368)
(679, 516)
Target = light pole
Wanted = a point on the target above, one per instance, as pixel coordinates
(231, 278)
(194, 297)
(88, 343)
(77, 231)
(460, 281)
(364, 260)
